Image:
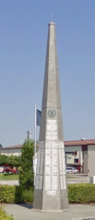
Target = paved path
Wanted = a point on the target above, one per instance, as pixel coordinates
(78, 180)
(9, 182)
(25, 212)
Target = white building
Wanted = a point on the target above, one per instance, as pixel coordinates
(80, 154)
(12, 150)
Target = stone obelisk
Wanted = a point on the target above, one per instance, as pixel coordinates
(51, 186)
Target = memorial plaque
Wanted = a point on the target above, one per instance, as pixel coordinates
(48, 183)
(51, 193)
(54, 170)
(48, 170)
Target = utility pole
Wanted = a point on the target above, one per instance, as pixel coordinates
(29, 135)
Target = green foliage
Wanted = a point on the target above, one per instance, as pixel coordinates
(77, 193)
(4, 216)
(28, 196)
(11, 194)
(81, 193)
(3, 159)
(14, 160)
(26, 177)
(11, 160)
(14, 194)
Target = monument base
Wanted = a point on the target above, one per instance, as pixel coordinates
(38, 210)
(51, 204)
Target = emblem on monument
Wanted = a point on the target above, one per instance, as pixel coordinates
(51, 113)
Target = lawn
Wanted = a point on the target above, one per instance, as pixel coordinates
(8, 176)
(72, 177)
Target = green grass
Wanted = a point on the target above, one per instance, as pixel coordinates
(7, 176)
(72, 177)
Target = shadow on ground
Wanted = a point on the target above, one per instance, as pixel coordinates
(25, 205)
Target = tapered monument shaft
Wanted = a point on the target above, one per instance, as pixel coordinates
(51, 187)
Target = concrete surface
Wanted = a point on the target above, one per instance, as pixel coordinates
(50, 184)
(9, 182)
(77, 178)
(25, 212)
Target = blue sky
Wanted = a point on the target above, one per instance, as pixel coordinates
(23, 38)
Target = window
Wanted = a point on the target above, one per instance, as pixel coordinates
(75, 160)
(72, 153)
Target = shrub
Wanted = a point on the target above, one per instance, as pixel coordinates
(10, 160)
(14, 194)
(81, 193)
(4, 216)
(28, 196)
(10, 194)
(26, 177)
(3, 159)
(77, 193)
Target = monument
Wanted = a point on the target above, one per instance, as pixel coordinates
(50, 185)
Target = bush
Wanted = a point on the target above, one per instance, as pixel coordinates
(10, 194)
(26, 176)
(14, 194)
(3, 215)
(10, 160)
(28, 196)
(77, 193)
(81, 193)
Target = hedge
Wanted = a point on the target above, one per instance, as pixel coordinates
(77, 193)
(10, 194)
(81, 193)
(4, 216)
(15, 194)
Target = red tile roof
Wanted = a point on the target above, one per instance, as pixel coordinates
(19, 146)
(80, 142)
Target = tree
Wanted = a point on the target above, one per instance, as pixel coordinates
(14, 160)
(10, 160)
(3, 159)
(1, 145)
(26, 176)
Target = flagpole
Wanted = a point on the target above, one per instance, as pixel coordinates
(35, 130)
(35, 142)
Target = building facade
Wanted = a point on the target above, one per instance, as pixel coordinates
(73, 155)
(79, 154)
(12, 150)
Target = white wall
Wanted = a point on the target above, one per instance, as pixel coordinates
(91, 160)
(9, 152)
(70, 157)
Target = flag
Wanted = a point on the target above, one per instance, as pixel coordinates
(38, 119)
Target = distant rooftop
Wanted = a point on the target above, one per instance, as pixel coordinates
(66, 143)
(19, 146)
(80, 142)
